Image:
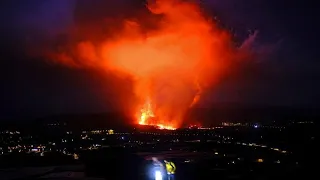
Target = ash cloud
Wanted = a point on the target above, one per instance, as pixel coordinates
(168, 48)
(73, 32)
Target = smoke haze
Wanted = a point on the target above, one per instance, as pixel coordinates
(170, 54)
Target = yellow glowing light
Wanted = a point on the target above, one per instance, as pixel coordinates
(110, 131)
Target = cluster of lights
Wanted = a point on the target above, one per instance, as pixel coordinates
(263, 146)
(10, 132)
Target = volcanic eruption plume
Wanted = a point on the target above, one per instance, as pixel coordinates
(170, 64)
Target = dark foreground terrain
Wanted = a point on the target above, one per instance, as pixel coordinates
(197, 161)
(269, 152)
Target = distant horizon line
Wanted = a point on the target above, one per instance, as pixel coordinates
(220, 106)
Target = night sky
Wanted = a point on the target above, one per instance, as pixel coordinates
(287, 72)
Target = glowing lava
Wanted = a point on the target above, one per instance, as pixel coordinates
(146, 116)
(160, 126)
(146, 113)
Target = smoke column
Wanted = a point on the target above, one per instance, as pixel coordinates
(170, 64)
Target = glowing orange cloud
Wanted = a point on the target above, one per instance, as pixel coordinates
(170, 65)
